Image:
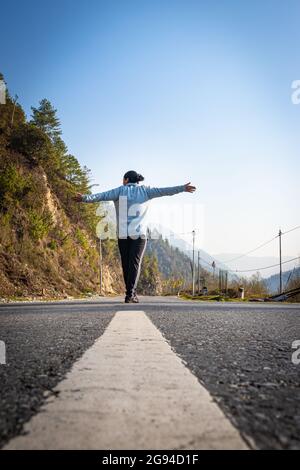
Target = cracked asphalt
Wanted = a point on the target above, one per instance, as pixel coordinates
(240, 352)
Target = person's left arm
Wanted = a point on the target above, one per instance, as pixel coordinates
(169, 191)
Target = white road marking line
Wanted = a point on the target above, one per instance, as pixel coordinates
(129, 391)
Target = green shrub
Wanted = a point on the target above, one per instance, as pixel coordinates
(39, 224)
(82, 240)
(12, 183)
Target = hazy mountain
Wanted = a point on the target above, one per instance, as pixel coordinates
(272, 282)
(185, 247)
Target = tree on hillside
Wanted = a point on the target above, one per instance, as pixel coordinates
(46, 119)
(64, 172)
(150, 281)
(74, 173)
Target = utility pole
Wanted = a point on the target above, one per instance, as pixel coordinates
(14, 108)
(213, 264)
(100, 264)
(193, 272)
(198, 271)
(280, 263)
(223, 278)
(99, 234)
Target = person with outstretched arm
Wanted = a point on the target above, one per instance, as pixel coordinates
(130, 201)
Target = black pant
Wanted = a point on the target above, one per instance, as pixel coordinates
(132, 252)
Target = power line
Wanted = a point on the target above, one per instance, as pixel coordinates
(220, 263)
(291, 230)
(260, 246)
(248, 252)
(265, 267)
(251, 251)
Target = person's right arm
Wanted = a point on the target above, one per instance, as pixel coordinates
(111, 195)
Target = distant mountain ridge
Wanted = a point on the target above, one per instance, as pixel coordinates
(272, 282)
(185, 247)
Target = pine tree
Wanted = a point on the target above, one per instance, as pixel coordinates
(46, 119)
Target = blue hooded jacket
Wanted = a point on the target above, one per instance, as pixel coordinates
(131, 205)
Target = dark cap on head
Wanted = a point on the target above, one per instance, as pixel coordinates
(133, 176)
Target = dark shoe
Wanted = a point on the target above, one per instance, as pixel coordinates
(135, 299)
(131, 299)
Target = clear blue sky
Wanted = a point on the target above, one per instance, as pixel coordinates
(178, 90)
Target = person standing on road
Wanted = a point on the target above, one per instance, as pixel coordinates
(130, 201)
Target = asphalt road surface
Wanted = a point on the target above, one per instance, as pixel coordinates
(240, 352)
